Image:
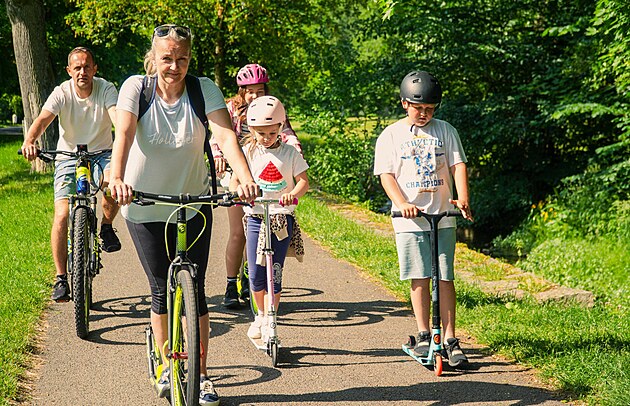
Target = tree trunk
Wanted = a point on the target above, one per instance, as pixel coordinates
(33, 62)
(219, 50)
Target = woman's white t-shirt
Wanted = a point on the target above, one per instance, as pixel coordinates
(167, 155)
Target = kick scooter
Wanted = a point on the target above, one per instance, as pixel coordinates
(273, 342)
(436, 348)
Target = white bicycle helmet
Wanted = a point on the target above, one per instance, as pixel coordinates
(265, 110)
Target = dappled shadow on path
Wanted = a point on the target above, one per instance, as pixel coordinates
(446, 392)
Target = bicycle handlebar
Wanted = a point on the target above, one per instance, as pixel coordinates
(448, 213)
(49, 155)
(221, 199)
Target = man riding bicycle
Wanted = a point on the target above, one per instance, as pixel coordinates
(86, 106)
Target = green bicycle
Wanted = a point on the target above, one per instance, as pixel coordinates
(182, 348)
(84, 246)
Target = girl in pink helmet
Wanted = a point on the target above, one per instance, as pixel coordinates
(252, 80)
(280, 172)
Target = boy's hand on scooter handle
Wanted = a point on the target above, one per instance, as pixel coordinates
(409, 210)
(463, 206)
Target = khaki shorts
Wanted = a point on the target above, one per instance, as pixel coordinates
(414, 254)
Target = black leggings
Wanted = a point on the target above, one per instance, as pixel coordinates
(148, 239)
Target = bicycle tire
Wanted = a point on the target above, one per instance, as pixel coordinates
(81, 278)
(185, 351)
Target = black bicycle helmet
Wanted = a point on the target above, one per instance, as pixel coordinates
(420, 87)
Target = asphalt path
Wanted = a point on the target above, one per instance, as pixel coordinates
(341, 344)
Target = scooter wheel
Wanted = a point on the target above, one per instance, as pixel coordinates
(411, 341)
(437, 364)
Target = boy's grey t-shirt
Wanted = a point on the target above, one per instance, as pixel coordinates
(167, 154)
(420, 159)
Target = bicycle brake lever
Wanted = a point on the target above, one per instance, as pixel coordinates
(141, 202)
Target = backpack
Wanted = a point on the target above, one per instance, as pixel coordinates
(149, 84)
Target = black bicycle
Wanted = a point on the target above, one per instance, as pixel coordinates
(84, 246)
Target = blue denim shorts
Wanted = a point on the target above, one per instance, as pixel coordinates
(414, 254)
(65, 183)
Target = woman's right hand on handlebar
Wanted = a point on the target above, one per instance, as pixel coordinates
(121, 192)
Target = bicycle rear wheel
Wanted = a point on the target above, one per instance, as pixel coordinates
(185, 354)
(81, 278)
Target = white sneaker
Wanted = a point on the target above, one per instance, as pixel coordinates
(255, 327)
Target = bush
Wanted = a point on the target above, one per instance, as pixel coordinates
(342, 163)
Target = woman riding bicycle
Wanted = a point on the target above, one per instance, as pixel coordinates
(163, 152)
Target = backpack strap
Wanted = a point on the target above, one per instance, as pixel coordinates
(147, 94)
(195, 95)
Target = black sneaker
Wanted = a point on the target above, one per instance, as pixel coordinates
(61, 290)
(231, 296)
(423, 342)
(109, 239)
(456, 357)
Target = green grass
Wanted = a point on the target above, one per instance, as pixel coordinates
(583, 353)
(26, 268)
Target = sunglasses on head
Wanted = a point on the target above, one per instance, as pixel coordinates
(164, 30)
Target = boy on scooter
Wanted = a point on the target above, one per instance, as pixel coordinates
(418, 159)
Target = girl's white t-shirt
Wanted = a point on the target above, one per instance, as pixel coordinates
(274, 170)
(167, 154)
(83, 121)
(420, 159)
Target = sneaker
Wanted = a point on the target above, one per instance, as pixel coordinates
(109, 239)
(231, 296)
(423, 342)
(255, 327)
(61, 290)
(163, 384)
(207, 395)
(456, 356)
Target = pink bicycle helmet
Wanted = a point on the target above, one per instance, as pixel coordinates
(265, 110)
(251, 74)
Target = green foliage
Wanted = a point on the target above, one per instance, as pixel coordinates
(10, 104)
(25, 264)
(342, 163)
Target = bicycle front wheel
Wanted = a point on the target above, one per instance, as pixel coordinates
(185, 354)
(81, 278)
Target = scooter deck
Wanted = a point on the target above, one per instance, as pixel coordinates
(258, 343)
(423, 360)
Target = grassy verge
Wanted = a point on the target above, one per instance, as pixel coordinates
(25, 263)
(584, 353)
